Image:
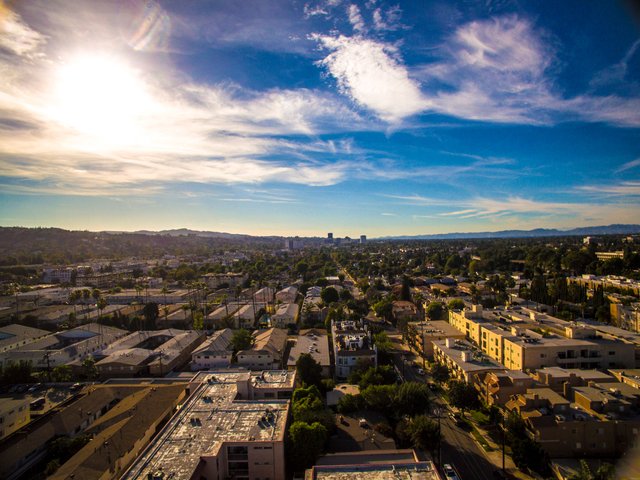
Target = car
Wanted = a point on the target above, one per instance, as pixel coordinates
(420, 371)
(75, 386)
(449, 472)
(363, 423)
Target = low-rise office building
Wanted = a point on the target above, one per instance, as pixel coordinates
(215, 352)
(266, 352)
(224, 430)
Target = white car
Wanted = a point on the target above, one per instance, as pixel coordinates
(420, 371)
(449, 472)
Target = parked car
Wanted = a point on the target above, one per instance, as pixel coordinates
(363, 423)
(420, 371)
(449, 472)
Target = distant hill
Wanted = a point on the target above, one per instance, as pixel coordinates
(615, 229)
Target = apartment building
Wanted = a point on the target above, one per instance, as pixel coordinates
(422, 334)
(224, 430)
(63, 347)
(154, 352)
(286, 314)
(266, 352)
(14, 414)
(231, 280)
(314, 342)
(215, 352)
(19, 452)
(287, 295)
(463, 359)
(531, 351)
(373, 465)
(497, 387)
(566, 429)
(352, 347)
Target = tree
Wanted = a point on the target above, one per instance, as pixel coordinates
(384, 308)
(424, 433)
(412, 398)
(306, 443)
(462, 395)
(350, 403)
(382, 342)
(381, 375)
(62, 373)
(198, 321)
(309, 371)
(89, 369)
(456, 304)
(329, 295)
(151, 314)
(379, 397)
(606, 471)
(241, 340)
(435, 311)
(19, 372)
(439, 372)
(405, 292)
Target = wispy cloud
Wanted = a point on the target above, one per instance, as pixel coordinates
(629, 165)
(496, 70)
(485, 208)
(167, 130)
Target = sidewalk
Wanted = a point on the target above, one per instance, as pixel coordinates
(495, 457)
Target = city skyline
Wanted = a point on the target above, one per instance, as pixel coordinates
(301, 118)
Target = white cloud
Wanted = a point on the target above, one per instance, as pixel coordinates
(371, 74)
(496, 70)
(16, 36)
(355, 18)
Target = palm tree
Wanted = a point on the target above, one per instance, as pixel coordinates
(164, 291)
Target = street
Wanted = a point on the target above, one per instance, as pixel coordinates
(463, 453)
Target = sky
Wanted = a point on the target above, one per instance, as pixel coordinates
(307, 117)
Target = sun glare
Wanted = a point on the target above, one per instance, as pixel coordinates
(101, 97)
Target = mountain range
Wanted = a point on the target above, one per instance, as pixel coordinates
(616, 229)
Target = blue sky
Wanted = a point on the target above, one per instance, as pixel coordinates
(303, 117)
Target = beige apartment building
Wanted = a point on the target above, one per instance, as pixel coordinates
(267, 350)
(14, 414)
(223, 431)
(532, 351)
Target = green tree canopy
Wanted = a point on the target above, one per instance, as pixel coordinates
(456, 304)
(309, 371)
(424, 433)
(435, 311)
(462, 395)
(412, 398)
(379, 397)
(241, 340)
(306, 443)
(329, 295)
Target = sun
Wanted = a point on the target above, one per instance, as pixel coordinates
(100, 96)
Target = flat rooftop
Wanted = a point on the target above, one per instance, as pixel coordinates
(419, 471)
(212, 416)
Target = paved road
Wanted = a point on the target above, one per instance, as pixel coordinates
(461, 451)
